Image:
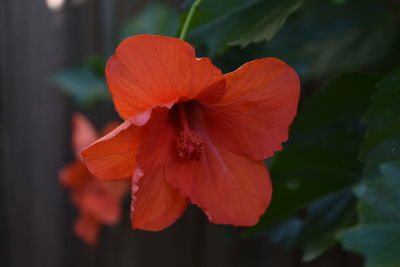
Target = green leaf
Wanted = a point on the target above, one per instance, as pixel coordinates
(321, 156)
(320, 227)
(95, 64)
(315, 231)
(382, 142)
(378, 235)
(156, 18)
(236, 22)
(83, 85)
(324, 38)
(338, 2)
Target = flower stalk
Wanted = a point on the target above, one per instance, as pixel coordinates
(188, 19)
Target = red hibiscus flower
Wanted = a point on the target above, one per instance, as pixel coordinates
(192, 134)
(99, 202)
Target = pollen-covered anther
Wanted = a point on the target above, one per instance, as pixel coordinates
(189, 145)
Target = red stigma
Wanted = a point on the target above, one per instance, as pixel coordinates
(189, 145)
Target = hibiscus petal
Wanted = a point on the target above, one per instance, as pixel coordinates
(155, 204)
(254, 115)
(114, 155)
(74, 175)
(230, 188)
(83, 133)
(148, 71)
(117, 189)
(101, 205)
(109, 127)
(87, 228)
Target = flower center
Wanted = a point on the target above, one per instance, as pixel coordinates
(189, 144)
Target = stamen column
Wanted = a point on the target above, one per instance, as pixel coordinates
(189, 144)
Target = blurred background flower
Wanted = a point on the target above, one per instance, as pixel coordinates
(99, 202)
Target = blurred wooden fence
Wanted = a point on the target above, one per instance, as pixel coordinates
(35, 214)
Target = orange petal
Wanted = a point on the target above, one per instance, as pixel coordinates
(114, 155)
(230, 188)
(148, 71)
(155, 204)
(83, 133)
(117, 189)
(87, 229)
(101, 205)
(75, 175)
(109, 127)
(254, 115)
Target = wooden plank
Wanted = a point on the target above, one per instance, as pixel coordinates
(36, 42)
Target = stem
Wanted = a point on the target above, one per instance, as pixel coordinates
(188, 19)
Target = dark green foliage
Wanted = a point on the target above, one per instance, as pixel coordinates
(314, 228)
(156, 18)
(84, 85)
(378, 234)
(383, 119)
(323, 38)
(235, 22)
